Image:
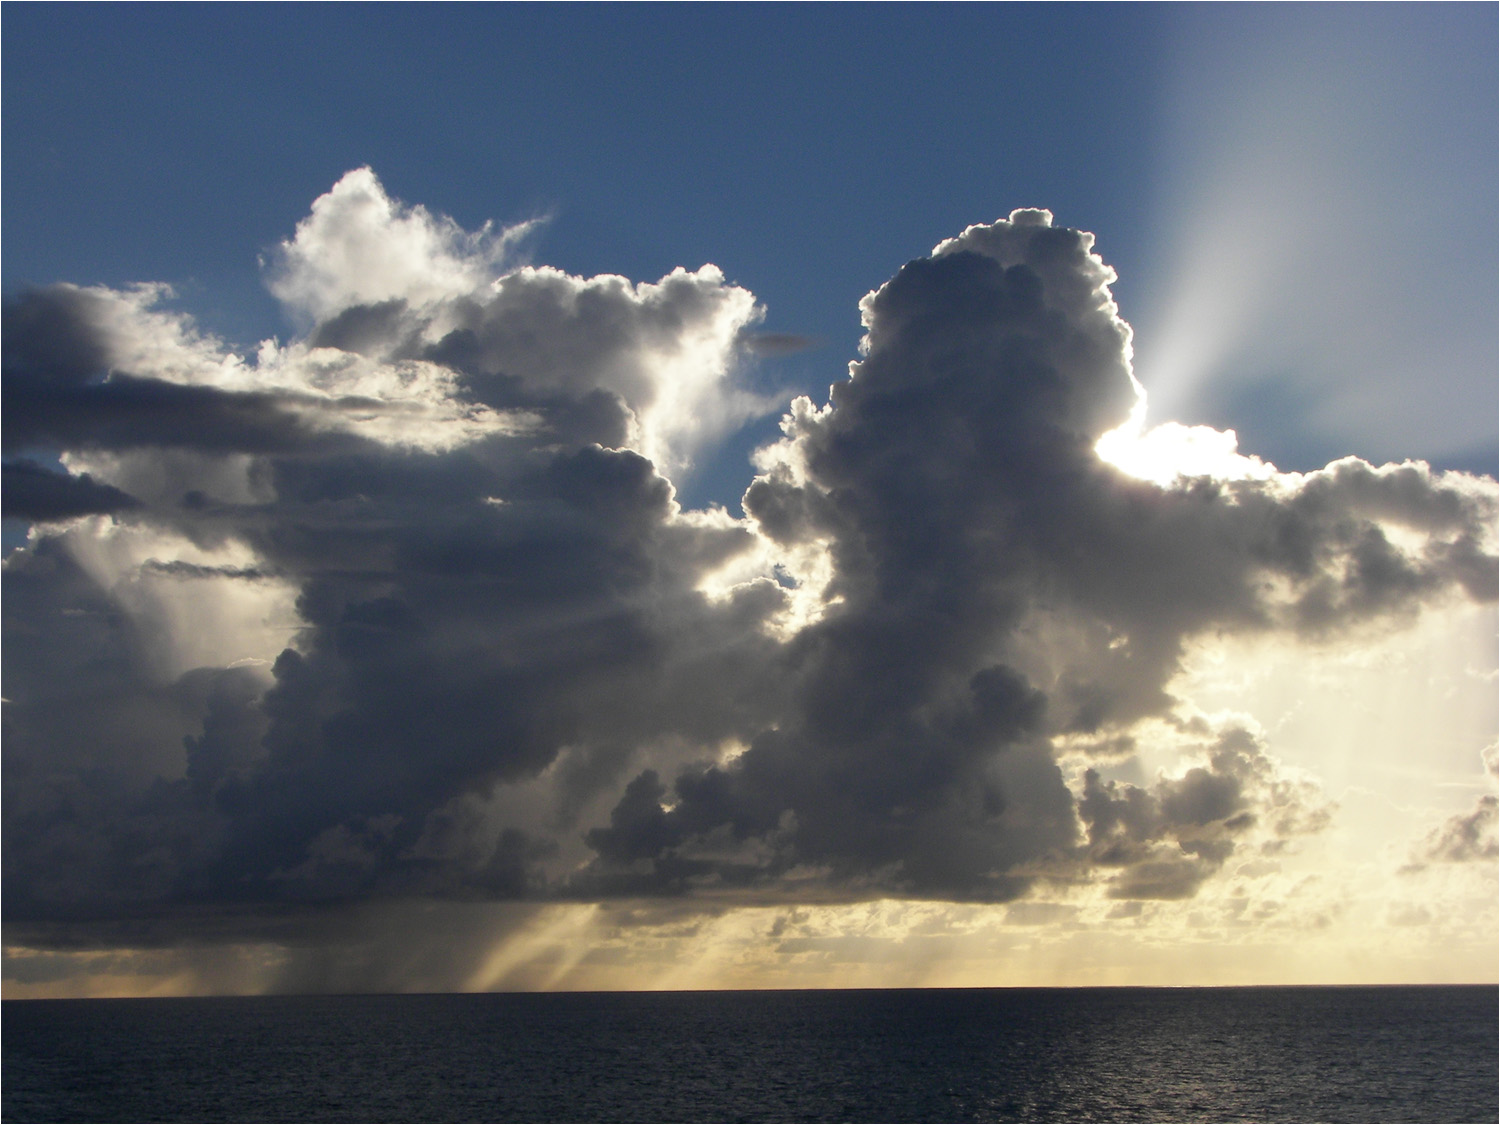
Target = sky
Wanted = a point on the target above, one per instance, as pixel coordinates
(634, 497)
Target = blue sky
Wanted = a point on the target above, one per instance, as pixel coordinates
(352, 639)
(805, 150)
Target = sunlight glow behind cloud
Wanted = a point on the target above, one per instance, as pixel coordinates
(1322, 224)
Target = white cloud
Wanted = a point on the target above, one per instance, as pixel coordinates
(361, 247)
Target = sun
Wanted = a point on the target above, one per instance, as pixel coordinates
(1171, 451)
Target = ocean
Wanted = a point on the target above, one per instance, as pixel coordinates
(1086, 1054)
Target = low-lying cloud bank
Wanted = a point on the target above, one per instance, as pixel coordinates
(406, 608)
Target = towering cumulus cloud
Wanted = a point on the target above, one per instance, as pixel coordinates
(406, 608)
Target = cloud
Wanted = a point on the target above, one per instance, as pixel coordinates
(776, 343)
(360, 247)
(995, 583)
(614, 362)
(481, 587)
(1167, 839)
(1462, 838)
(32, 492)
(407, 608)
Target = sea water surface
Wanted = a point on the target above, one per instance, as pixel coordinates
(1126, 1054)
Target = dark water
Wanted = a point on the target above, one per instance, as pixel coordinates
(1257, 1054)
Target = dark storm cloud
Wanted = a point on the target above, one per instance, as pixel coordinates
(130, 413)
(62, 389)
(52, 336)
(31, 492)
(517, 669)
(467, 615)
(493, 637)
(91, 734)
(954, 485)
